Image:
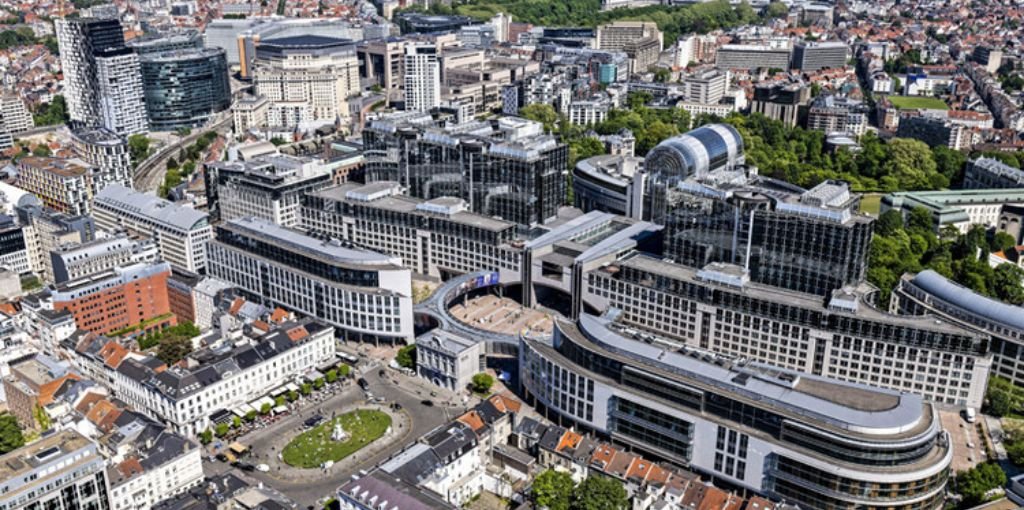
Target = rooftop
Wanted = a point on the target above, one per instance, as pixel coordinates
(44, 452)
(332, 251)
(162, 212)
(957, 295)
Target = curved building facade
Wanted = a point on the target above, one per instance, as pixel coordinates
(929, 293)
(183, 88)
(692, 154)
(609, 183)
(815, 442)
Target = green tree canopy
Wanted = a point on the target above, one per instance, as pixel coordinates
(406, 356)
(482, 382)
(543, 113)
(599, 492)
(174, 348)
(11, 437)
(974, 483)
(552, 489)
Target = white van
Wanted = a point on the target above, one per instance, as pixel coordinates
(969, 415)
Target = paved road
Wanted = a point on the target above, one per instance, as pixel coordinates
(318, 485)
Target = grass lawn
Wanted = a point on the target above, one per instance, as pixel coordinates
(314, 447)
(914, 102)
(871, 203)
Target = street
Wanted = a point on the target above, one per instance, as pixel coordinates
(319, 484)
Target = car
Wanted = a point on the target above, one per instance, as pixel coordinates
(970, 445)
(313, 421)
(396, 406)
(244, 466)
(222, 457)
(380, 373)
(362, 383)
(428, 403)
(262, 468)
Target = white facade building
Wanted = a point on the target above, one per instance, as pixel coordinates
(422, 77)
(122, 104)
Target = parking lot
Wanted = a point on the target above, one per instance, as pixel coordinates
(963, 435)
(502, 315)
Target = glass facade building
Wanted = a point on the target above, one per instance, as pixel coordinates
(184, 88)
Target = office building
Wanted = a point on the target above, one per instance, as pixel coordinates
(14, 256)
(930, 294)
(695, 153)
(812, 441)
(160, 42)
(64, 185)
(812, 241)
(611, 183)
(107, 153)
(422, 77)
(990, 173)
(448, 360)
(381, 62)
(989, 58)
(617, 35)
(32, 383)
(62, 471)
(365, 294)
(250, 113)
(76, 261)
(642, 53)
(156, 464)
(269, 187)
(122, 104)
(438, 237)
(811, 56)
(240, 37)
(508, 168)
(79, 41)
(958, 208)
(226, 377)
(419, 23)
(834, 114)
(708, 87)
(316, 71)
(750, 57)
(589, 112)
(132, 296)
(934, 131)
(47, 230)
(184, 88)
(781, 102)
(180, 232)
(14, 115)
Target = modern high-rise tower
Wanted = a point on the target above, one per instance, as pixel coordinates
(422, 77)
(90, 47)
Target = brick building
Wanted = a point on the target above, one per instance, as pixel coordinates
(120, 298)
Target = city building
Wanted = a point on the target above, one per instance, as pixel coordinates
(781, 101)
(123, 298)
(122, 103)
(810, 440)
(610, 183)
(420, 23)
(184, 88)
(227, 376)
(989, 58)
(76, 261)
(589, 112)
(509, 168)
(107, 153)
(707, 87)
(437, 237)
(749, 57)
(381, 62)
(240, 37)
(151, 464)
(64, 185)
(47, 230)
(934, 131)
(365, 294)
(180, 232)
(31, 384)
(616, 36)
(834, 114)
(14, 256)
(642, 53)
(14, 115)
(250, 113)
(62, 471)
(958, 208)
(317, 71)
(422, 77)
(448, 360)
(990, 173)
(164, 41)
(813, 56)
(79, 41)
(269, 187)
(930, 294)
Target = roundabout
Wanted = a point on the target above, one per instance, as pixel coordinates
(335, 439)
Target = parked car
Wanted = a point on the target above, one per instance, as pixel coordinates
(363, 384)
(428, 403)
(244, 466)
(262, 468)
(313, 421)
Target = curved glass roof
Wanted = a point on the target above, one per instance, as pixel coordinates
(956, 294)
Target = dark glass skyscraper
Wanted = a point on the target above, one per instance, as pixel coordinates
(183, 88)
(509, 169)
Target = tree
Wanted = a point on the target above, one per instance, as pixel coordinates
(222, 429)
(1002, 396)
(11, 437)
(950, 163)
(318, 383)
(42, 151)
(552, 489)
(206, 436)
(889, 223)
(250, 416)
(1002, 241)
(53, 113)
(1015, 451)
(138, 147)
(344, 370)
(406, 356)
(293, 396)
(600, 493)
(280, 401)
(974, 483)
(172, 163)
(541, 112)
(306, 389)
(174, 348)
(265, 408)
(236, 422)
(910, 166)
(662, 75)
(776, 10)
(332, 376)
(1006, 283)
(482, 382)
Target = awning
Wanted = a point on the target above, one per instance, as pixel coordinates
(312, 375)
(239, 412)
(258, 404)
(237, 448)
(278, 391)
(292, 386)
(280, 409)
(221, 416)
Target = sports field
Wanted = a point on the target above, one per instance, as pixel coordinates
(915, 102)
